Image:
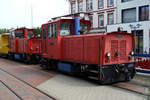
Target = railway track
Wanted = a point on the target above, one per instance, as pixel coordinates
(137, 88)
(134, 88)
(20, 88)
(10, 90)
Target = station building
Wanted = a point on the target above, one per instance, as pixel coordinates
(131, 16)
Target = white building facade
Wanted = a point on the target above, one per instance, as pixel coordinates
(101, 12)
(133, 16)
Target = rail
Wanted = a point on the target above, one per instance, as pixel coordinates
(27, 84)
(134, 88)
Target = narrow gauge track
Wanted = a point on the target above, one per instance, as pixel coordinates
(134, 87)
(24, 82)
(5, 85)
(129, 86)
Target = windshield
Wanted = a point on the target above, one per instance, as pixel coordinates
(84, 27)
(20, 33)
(52, 30)
(30, 34)
(65, 29)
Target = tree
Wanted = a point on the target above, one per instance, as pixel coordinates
(4, 30)
(38, 31)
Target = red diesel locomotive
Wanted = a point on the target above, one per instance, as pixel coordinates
(68, 46)
(24, 45)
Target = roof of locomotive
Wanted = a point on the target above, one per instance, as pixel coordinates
(99, 34)
(5, 34)
(23, 29)
(65, 19)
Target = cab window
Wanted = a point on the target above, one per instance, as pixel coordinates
(30, 34)
(12, 36)
(65, 29)
(52, 30)
(84, 27)
(44, 32)
(20, 33)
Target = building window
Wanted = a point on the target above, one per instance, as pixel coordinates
(110, 18)
(80, 6)
(144, 13)
(129, 15)
(89, 5)
(125, 0)
(73, 8)
(91, 19)
(139, 41)
(110, 2)
(100, 4)
(101, 20)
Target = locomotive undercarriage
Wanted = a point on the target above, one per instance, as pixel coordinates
(110, 73)
(106, 75)
(27, 58)
(31, 58)
(118, 72)
(48, 64)
(4, 55)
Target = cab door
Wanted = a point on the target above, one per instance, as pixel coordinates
(12, 42)
(52, 41)
(44, 38)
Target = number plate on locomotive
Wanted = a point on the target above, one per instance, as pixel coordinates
(118, 36)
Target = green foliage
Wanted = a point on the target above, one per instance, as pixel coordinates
(4, 30)
(38, 31)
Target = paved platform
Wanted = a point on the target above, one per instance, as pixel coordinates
(59, 86)
(29, 73)
(69, 88)
(6, 94)
(20, 89)
(18, 81)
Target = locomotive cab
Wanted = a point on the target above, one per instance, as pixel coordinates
(53, 33)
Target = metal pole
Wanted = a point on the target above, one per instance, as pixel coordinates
(31, 17)
(135, 40)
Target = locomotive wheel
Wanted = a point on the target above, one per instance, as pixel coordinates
(128, 77)
(43, 64)
(52, 65)
(27, 59)
(10, 56)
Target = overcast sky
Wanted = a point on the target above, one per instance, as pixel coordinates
(17, 13)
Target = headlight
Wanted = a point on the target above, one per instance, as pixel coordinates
(31, 48)
(108, 54)
(37, 48)
(132, 53)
